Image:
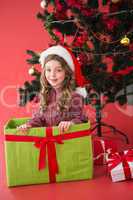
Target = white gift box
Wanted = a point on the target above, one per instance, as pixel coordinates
(120, 165)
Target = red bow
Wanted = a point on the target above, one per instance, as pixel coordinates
(44, 143)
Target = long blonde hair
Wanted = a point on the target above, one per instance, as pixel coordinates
(67, 87)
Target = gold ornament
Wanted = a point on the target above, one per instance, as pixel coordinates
(125, 41)
(115, 1)
(31, 70)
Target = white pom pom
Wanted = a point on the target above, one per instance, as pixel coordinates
(82, 91)
(43, 4)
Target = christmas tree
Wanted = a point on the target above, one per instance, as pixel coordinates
(101, 40)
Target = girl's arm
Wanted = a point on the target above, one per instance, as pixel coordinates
(38, 120)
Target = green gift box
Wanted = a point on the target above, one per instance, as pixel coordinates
(43, 155)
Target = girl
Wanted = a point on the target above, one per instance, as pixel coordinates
(60, 104)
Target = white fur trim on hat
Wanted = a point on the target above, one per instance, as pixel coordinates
(82, 91)
(60, 51)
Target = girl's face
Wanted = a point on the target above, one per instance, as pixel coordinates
(54, 73)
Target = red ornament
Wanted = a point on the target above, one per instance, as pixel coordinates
(80, 40)
(114, 7)
(82, 58)
(74, 3)
(111, 23)
(59, 6)
(87, 12)
(131, 47)
(60, 15)
(69, 14)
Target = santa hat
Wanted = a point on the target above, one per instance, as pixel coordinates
(72, 62)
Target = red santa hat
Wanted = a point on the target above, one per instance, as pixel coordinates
(72, 62)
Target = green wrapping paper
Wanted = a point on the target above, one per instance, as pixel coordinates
(74, 157)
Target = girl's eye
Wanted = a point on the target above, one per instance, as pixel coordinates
(59, 70)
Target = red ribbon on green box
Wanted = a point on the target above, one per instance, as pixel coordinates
(48, 143)
(121, 157)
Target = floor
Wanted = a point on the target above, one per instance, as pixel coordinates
(100, 187)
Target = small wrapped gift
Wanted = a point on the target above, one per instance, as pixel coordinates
(45, 156)
(101, 147)
(120, 165)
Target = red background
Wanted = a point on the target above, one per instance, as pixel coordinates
(20, 30)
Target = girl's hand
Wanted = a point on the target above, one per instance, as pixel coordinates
(23, 127)
(64, 126)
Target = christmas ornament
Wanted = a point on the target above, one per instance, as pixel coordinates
(125, 41)
(115, 1)
(112, 23)
(43, 4)
(69, 13)
(82, 58)
(31, 70)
